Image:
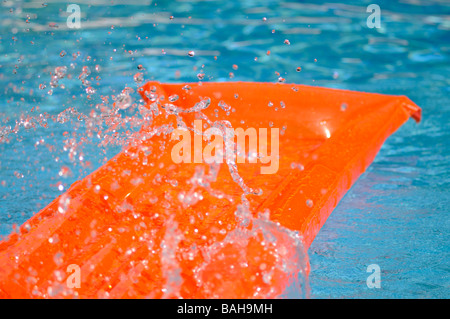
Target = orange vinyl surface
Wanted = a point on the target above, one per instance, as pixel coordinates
(132, 237)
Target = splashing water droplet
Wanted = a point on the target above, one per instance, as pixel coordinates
(61, 71)
(138, 78)
(124, 100)
(90, 90)
(173, 98)
(86, 71)
(224, 106)
(18, 174)
(65, 171)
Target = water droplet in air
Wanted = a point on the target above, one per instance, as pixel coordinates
(298, 69)
(286, 41)
(309, 203)
(86, 70)
(84, 74)
(124, 100)
(65, 171)
(191, 53)
(173, 98)
(61, 71)
(138, 78)
(224, 106)
(344, 106)
(18, 174)
(90, 90)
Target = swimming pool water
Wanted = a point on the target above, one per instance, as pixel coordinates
(395, 216)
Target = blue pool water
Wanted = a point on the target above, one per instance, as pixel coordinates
(395, 216)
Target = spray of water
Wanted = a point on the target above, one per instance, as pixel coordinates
(110, 122)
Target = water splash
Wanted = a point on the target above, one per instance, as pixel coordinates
(281, 259)
(116, 120)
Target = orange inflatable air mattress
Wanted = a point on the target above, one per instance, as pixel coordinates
(161, 220)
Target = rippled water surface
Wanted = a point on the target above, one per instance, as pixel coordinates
(396, 215)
